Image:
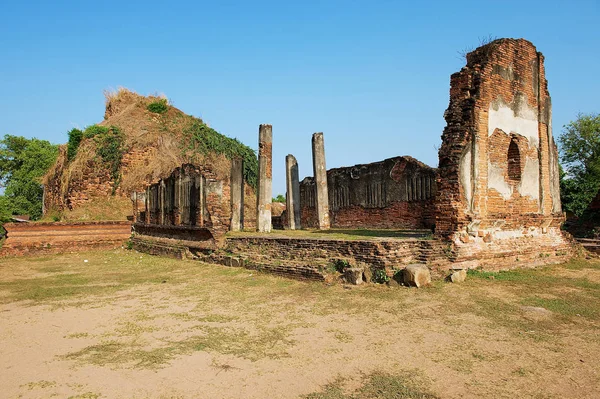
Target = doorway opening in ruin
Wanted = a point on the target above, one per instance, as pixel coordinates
(514, 162)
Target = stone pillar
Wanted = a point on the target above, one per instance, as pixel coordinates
(147, 221)
(293, 192)
(320, 172)
(265, 178)
(237, 194)
(135, 206)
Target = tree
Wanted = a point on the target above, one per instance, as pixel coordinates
(279, 198)
(23, 162)
(580, 156)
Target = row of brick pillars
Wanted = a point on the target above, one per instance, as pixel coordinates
(265, 184)
(293, 186)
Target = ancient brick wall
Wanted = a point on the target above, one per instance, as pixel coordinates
(191, 205)
(498, 164)
(379, 253)
(35, 238)
(395, 193)
(54, 198)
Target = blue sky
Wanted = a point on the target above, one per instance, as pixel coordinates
(372, 75)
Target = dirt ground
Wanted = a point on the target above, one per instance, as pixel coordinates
(119, 324)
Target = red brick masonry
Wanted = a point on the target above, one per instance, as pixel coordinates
(33, 238)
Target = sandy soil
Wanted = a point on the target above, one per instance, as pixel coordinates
(205, 331)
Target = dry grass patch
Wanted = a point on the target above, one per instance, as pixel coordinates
(520, 331)
(378, 385)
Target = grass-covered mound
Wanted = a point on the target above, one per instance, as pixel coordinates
(140, 140)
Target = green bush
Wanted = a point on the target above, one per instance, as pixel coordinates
(380, 276)
(158, 107)
(341, 265)
(279, 198)
(75, 136)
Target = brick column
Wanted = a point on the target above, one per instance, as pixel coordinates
(237, 194)
(293, 192)
(265, 177)
(161, 202)
(320, 172)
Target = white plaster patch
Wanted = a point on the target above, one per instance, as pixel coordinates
(465, 176)
(497, 182)
(530, 179)
(523, 121)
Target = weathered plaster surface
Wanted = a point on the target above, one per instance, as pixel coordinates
(466, 178)
(518, 117)
(497, 181)
(530, 179)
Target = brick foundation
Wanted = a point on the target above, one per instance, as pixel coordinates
(36, 238)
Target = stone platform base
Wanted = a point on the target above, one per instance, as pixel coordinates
(313, 258)
(36, 238)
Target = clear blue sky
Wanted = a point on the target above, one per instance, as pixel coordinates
(372, 75)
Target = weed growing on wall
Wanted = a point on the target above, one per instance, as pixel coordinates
(341, 265)
(380, 276)
(158, 107)
(205, 139)
(110, 147)
(110, 142)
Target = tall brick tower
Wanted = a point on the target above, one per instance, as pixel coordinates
(498, 163)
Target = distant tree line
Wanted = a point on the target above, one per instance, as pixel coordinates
(580, 158)
(23, 163)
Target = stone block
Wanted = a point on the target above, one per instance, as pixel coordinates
(416, 275)
(367, 273)
(353, 275)
(458, 276)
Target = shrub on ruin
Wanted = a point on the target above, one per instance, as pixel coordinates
(75, 137)
(158, 107)
(204, 140)
(94, 130)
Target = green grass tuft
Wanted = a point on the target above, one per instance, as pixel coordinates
(159, 106)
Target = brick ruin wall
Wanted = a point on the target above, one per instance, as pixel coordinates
(191, 206)
(65, 190)
(62, 192)
(39, 238)
(498, 163)
(395, 193)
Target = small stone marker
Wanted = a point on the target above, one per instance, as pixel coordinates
(353, 275)
(417, 275)
(367, 272)
(458, 276)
